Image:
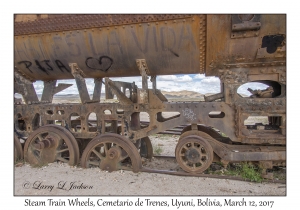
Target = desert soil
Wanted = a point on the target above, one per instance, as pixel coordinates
(57, 179)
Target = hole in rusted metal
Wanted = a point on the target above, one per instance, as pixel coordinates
(272, 42)
(263, 122)
(92, 122)
(49, 112)
(107, 111)
(261, 89)
(110, 126)
(120, 111)
(216, 114)
(75, 122)
(60, 112)
(36, 121)
(21, 123)
(127, 93)
(165, 116)
(144, 119)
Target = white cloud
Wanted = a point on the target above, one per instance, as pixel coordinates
(199, 76)
(167, 78)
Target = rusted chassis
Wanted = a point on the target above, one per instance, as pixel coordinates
(220, 141)
(236, 48)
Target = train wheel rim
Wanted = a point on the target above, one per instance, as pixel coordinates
(146, 149)
(72, 140)
(58, 147)
(111, 152)
(194, 154)
(18, 151)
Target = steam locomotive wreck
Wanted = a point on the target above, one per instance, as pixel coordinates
(236, 48)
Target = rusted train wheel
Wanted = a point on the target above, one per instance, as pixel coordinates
(146, 149)
(51, 143)
(18, 151)
(111, 152)
(194, 154)
(71, 138)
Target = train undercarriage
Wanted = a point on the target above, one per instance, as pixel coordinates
(114, 135)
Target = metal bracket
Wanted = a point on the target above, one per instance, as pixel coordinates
(144, 71)
(243, 25)
(50, 89)
(116, 91)
(25, 88)
(81, 85)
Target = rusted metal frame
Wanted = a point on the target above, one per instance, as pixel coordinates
(190, 113)
(237, 153)
(116, 91)
(119, 84)
(139, 133)
(25, 88)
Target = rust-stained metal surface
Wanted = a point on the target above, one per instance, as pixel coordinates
(236, 48)
(106, 45)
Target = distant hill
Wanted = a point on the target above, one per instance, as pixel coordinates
(182, 94)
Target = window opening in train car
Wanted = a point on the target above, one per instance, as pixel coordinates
(75, 122)
(263, 122)
(260, 89)
(92, 122)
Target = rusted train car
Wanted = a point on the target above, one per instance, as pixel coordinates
(236, 48)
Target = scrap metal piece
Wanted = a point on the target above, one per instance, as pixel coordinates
(214, 97)
(144, 71)
(97, 89)
(50, 89)
(116, 91)
(25, 88)
(81, 85)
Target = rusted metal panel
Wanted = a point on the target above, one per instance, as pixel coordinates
(170, 44)
(225, 50)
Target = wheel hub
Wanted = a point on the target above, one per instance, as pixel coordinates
(110, 162)
(193, 155)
